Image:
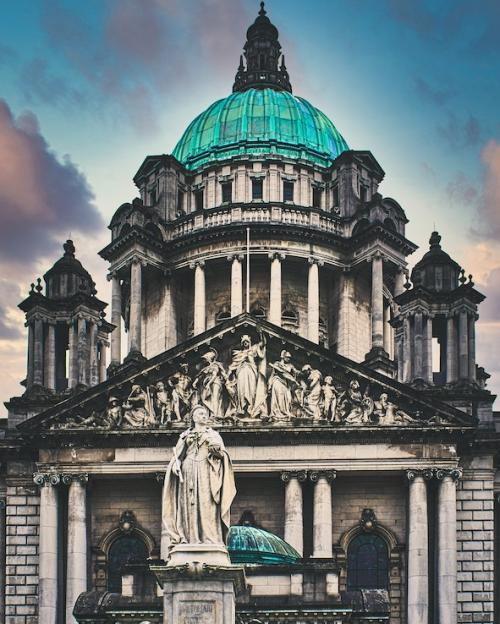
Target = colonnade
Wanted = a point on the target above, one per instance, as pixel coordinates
(48, 552)
(418, 531)
(461, 345)
(47, 352)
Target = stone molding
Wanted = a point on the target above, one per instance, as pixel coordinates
(434, 473)
(56, 478)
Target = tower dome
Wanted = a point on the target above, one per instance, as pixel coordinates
(249, 544)
(260, 122)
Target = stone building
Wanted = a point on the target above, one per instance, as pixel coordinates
(262, 273)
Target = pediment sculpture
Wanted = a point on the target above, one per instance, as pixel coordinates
(246, 385)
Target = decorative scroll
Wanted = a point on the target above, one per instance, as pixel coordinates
(250, 390)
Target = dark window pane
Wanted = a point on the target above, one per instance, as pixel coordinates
(367, 563)
(227, 192)
(198, 200)
(288, 191)
(316, 198)
(124, 550)
(257, 189)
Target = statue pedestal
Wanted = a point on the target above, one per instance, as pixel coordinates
(199, 591)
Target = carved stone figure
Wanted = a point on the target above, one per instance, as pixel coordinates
(137, 411)
(199, 486)
(163, 404)
(247, 378)
(329, 406)
(312, 391)
(114, 413)
(389, 414)
(182, 391)
(210, 383)
(356, 407)
(283, 385)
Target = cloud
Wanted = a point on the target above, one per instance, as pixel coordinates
(38, 83)
(435, 95)
(142, 52)
(460, 133)
(10, 317)
(7, 55)
(41, 197)
(487, 226)
(460, 190)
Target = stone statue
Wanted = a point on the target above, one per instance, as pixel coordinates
(114, 413)
(182, 391)
(283, 385)
(199, 486)
(356, 407)
(312, 391)
(329, 406)
(163, 404)
(247, 378)
(210, 383)
(389, 414)
(137, 410)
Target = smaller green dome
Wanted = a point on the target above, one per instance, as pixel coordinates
(247, 544)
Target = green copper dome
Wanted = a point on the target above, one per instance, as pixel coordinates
(260, 122)
(248, 544)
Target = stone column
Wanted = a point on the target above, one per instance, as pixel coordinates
(399, 283)
(463, 345)
(94, 366)
(82, 353)
(377, 302)
(451, 350)
(135, 307)
(275, 288)
(102, 361)
(76, 570)
(38, 353)
(418, 555)
(313, 301)
(236, 284)
(294, 521)
(31, 354)
(407, 364)
(199, 323)
(388, 339)
(322, 514)
(418, 346)
(47, 549)
(73, 371)
(116, 320)
(447, 541)
(428, 350)
(50, 375)
(472, 347)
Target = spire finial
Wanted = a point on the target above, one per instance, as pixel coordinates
(262, 9)
(69, 248)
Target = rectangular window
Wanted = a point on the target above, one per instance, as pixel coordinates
(257, 188)
(227, 192)
(316, 198)
(363, 194)
(180, 202)
(335, 196)
(288, 191)
(198, 200)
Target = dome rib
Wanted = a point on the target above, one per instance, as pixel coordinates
(260, 122)
(249, 544)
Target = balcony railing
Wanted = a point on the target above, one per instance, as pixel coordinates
(288, 215)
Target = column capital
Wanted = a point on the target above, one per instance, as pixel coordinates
(377, 255)
(453, 473)
(197, 263)
(287, 475)
(426, 473)
(46, 478)
(160, 477)
(311, 260)
(68, 478)
(316, 475)
(138, 260)
(236, 256)
(276, 255)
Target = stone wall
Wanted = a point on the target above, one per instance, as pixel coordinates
(21, 578)
(475, 546)
(265, 497)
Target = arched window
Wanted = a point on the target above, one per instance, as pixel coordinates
(126, 549)
(367, 562)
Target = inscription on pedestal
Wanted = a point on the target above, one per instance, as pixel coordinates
(196, 612)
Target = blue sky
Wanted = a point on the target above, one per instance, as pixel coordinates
(88, 89)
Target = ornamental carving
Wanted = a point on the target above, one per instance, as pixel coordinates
(248, 382)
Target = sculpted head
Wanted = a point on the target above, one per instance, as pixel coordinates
(210, 356)
(329, 380)
(160, 386)
(245, 341)
(286, 356)
(200, 415)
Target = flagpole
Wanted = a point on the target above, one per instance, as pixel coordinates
(248, 272)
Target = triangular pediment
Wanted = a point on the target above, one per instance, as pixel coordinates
(251, 375)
